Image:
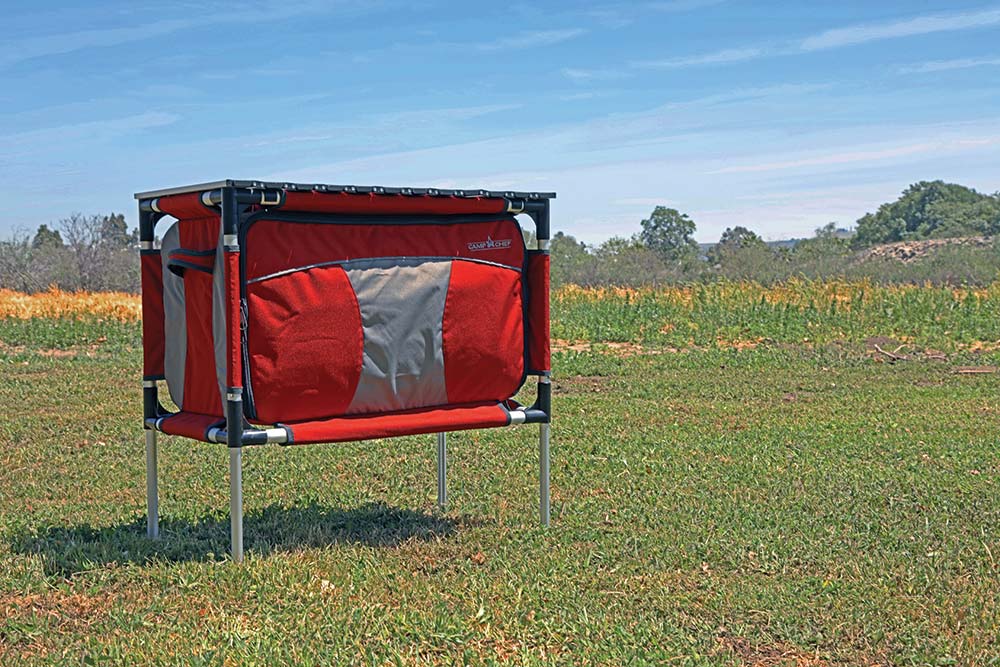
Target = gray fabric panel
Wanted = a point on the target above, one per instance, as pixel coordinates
(174, 321)
(395, 259)
(219, 318)
(402, 306)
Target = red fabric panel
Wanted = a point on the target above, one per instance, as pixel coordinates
(275, 246)
(189, 425)
(152, 315)
(410, 422)
(185, 206)
(483, 334)
(201, 388)
(539, 353)
(234, 374)
(305, 344)
(374, 204)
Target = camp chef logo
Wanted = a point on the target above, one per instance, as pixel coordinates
(489, 244)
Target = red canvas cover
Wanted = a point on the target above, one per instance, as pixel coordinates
(361, 319)
(432, 420)
(539, 354)
(482, 314)
(304, 344)
(190, 425)
(376, 204)
(234, 368)
(152, 315)
(201, 387)
(300, 244)
(185, 206)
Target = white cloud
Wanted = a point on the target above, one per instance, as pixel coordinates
(920, 25)
(39, 139)
(17, 50)
(681, 5)
(587, 75)
(866, 155)
(623, 14)
(50, 45)
(945, 65)
(605, 189)
(714, 58)
(384, 123)
(533, 38)
(835, 38)
(641, 202)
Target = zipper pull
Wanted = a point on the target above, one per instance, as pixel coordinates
(244, 316)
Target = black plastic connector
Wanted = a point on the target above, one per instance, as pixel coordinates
(234, 420)
(151, 408)
(539, 212)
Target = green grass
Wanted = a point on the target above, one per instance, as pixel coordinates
(710, 507)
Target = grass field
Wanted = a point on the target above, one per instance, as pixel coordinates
(797, 475)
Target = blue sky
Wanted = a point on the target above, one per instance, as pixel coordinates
(774, 115)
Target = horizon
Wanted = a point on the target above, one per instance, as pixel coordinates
(779, 119)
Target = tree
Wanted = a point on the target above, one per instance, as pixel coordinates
(15, 263)
(46, 239)
(628, 262)
(731, 242)
(669, 233)
(103, 251)
(571, 261)
(114, 232)
(828, 241)
(930, 209)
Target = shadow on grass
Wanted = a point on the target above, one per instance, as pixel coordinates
(68, 550)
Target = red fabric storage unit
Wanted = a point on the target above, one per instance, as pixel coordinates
(297, 314)
(319, 303)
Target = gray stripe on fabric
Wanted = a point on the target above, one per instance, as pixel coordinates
(174, 321)
(219, 317)
(346, 263)
(402, 306)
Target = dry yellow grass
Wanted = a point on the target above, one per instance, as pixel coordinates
(57, 303)
(795, 293)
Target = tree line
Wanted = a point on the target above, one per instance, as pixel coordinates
(99, 252)
(81, 252)
(664, 249)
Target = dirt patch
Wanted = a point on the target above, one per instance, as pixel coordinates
(983, 346)
(741, 344)
(884, 342)
(617, 349)
(580, 384)
(612, 348)
(769, 655)
(91, 350)
(59, 354)
(60, 610)
(912, 251)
